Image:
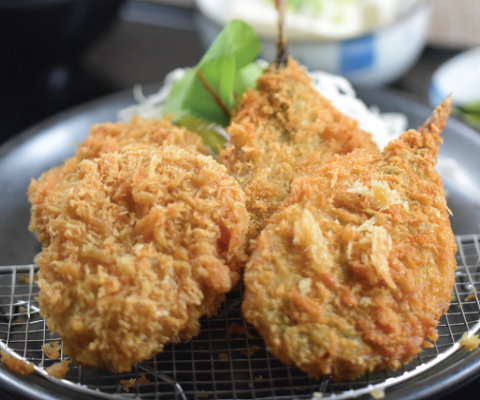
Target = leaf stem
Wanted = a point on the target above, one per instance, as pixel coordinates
(217, 99)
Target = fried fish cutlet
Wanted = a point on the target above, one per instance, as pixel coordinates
(280, 131)
(114, 136)
(357, 266)
(137, 246)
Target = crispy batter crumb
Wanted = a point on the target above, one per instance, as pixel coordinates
(15, 364)
(25, 278)
(239, 330)
(202, 395)
(52, 349)
(223, 356)
(128, 384)
(59, 369)
(143, 380)
(251, 350)
(470, 297)
(259, 378)
(378, 393)
(469, 343)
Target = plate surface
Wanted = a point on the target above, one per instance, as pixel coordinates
(47, 144)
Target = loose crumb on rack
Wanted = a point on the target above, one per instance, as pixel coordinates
(52, 349)
(25, 278)
(223, 356)
(469, 343)
(378, 393)
(238, 330)
(59, 369)
(15, 364)
(470, 297)
(251, 350)
(202, 395)
(128, 384)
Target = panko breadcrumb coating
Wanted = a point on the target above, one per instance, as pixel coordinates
(280, 131)
(357, 266)
(138, 133)
(137, 246)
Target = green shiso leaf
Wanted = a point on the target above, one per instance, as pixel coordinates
(209, 132)
(212, 89)
(471, 112)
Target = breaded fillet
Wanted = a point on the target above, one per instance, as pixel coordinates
(137, 245)
(280, 131)
(355, 269)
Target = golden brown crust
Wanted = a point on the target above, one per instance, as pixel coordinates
(138, 245)
(280, 131)
(355, 269)
(138, 133)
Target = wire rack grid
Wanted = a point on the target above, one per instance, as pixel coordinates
(228, 359)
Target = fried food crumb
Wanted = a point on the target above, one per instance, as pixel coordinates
(469, 343)
(470, 297)
(128, 384)
(238, 330)
(259, 378)
(202, 395)
(52, 349)
(59, 369)
(15, 364)
(378, 393)
(25, 278)
(251, 350)
(223, 356)
(143, 380)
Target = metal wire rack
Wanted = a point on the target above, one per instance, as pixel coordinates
(228, 360)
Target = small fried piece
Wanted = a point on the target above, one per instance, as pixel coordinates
(59, 369)
(52, 349)
(137, 246)
(355, 269)
(16, 364)
(280, 131)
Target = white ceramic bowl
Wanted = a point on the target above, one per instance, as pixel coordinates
(373, 59)
(459, 77)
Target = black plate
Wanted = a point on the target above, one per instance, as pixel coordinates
(47, 144)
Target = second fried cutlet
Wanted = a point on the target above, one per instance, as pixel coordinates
(280, 131)
(357, 266)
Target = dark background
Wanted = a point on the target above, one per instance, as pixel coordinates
(141, 44)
